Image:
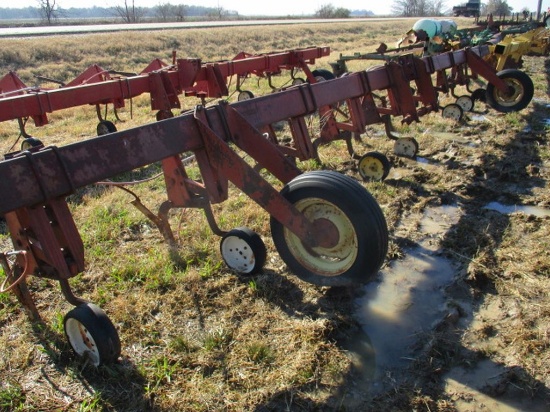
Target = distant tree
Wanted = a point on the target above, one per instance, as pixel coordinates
(49, 10)
(180, 11)
(498, 8)
(167, 12)
(218, 13)
(163, 11)
(418, 8)
(328, 11)
(129, 12)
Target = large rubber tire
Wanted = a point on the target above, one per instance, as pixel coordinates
(91, 334)
(521, 95)
(243, 251)
(362, 230)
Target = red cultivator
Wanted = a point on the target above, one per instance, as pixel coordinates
(190, 77)
(326, 227)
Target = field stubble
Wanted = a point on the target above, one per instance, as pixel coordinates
(196, 337)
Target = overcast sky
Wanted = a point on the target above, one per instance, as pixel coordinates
(270, 7)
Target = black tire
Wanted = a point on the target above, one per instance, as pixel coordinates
(374, 166)
(479, 94)
(323, 74)
(520, 95)
(243, 251)
(30, 142)
(362, 230)
(105, 127)
(91, 334)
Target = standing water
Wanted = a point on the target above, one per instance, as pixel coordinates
(408, 299)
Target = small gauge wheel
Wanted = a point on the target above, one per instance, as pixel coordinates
(105, 127)
(406, 147)
(91, 334)
(452, 111)
(245, 95)
(30, 142)
(243, 250)
(298, 81)
(466, 103)
(374, 166)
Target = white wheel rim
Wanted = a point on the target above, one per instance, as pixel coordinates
(404, 147)
(451, 113)
(238, 254)
(371, 168)
(465, 102)
(82, 341)
(331, 261)
(243, 96)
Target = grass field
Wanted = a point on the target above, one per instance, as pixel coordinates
(197, 337)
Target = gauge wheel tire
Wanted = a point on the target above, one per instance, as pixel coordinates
(30, 142)
(355, 214)
(91, 334)
(406, 147)
(465, 102)
(520, 95)
(479, 94)
(322, 75)
(374, 166)
(105, 127)
(245, 95)
(453, 112)
(243, 251)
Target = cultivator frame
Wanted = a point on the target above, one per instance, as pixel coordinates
(36, 181)
(164, 82)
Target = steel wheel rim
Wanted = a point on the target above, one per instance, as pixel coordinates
(465, 102)
(82, 341)
(405, 148)
(238, 254)
(506, 99)
(331, 261)
(371, 168)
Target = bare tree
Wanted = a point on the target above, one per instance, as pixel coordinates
(49, 10)
(163, 11)
(180, 11)
(418, 8)
(328, 11)
(129, 12)
(498, 8)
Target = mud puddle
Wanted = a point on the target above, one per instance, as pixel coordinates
(528, 210)
(408, 299)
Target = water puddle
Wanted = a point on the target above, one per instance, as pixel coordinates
(528, 210)
(408, 299)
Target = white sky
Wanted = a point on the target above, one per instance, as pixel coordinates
(272, 7)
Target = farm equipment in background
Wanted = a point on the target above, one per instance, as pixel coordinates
(506, 91)
(470, 9)
(164, 82)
